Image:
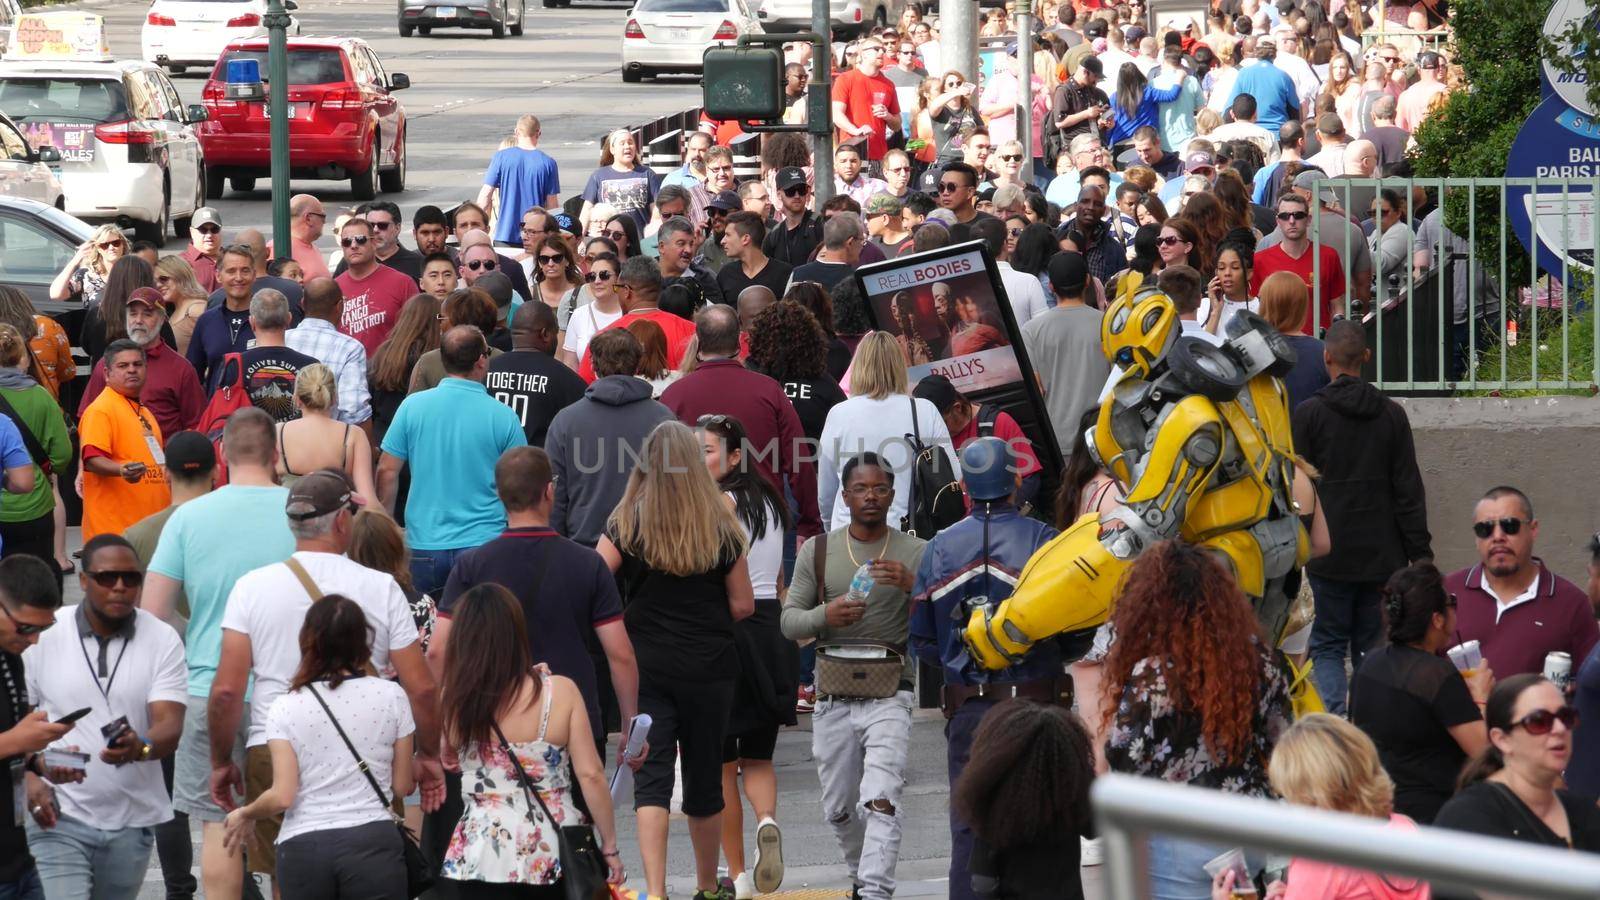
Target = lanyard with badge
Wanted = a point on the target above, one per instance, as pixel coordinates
(157, 455)
(100, 672)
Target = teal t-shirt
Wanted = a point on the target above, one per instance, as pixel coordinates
(452, 435)
(208, 544)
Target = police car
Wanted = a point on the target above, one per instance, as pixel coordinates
(127, 145)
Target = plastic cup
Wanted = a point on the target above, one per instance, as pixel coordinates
(1233, 860)
(1466, 657)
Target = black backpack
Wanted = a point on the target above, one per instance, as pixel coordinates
(936, 499)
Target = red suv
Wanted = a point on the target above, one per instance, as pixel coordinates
(344, 121)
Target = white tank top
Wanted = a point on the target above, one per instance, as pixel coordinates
(765, 558)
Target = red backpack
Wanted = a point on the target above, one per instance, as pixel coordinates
(228, 398)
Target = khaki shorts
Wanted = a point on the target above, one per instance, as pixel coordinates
(261, 852)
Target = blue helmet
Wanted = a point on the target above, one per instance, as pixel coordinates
(988, 467)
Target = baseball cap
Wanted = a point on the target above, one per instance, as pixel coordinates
(884, 203)
(1068, 271)
(1330, 124)
(205, 215)
(1135, 34)
(190, 451)
(938, 390)
(1094, 65)
(567, 223)
(1199, 159)
(725, 200)
(942, 216)
(1428, 59)
(1095, 28)
(1316, 181)
(321, 492)
(497, 285)
(791, 176)
(149, 296)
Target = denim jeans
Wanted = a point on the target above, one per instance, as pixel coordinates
(1177, 867)
(431, 568)
(25, 888)
(1349, 620)
(80, 862)
(861, 747)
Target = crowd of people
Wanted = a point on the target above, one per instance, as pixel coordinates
(414, 533)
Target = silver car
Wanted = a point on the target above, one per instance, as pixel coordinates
(498, 16)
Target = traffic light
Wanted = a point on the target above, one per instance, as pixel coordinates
(743, 83)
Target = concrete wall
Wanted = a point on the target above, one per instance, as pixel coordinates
(1548, 447)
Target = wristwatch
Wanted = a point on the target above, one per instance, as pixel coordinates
(144, 750)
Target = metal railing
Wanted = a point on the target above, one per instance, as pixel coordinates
(1130, 809)
(1518, 275)
(1404, 38)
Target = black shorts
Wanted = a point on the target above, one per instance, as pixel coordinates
(686, 716)
(757, 744)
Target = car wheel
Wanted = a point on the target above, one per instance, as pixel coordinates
(243, 182)
(214, 185)
(394, 180)
(406, 30)
(522, 13)
(156, 232)
(424, 30)
(364, 185)
(631, 76)
(498, 29)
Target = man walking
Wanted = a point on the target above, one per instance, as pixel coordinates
(849, 179)
(861, 745)
(383, 217)
(1277, 99)
(1372, 496)
(639, 287)
(171, 389)
(529, 379)
(225, 329)
(451, 435)
(1064, 346)
(318, 336)
(124, 476)
(842, 239)
(678, 244)
(306, 222)
(373, 293)
(271, 365)
(93, 838)
(519, 177)
(1321, 271)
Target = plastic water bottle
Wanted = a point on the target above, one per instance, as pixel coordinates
(861, 584)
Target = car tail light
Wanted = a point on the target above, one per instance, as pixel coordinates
(248, 20)
(213, 95)
(726, 32)
(858, 14)
(633, 30)
(159, 19)
(125, 132)
(342, 98)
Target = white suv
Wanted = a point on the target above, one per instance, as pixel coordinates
(849, 17)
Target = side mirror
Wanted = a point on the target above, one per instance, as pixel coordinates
(290, 5)
(763, 14)
(49, 155)
(399, 81)
(196, 113)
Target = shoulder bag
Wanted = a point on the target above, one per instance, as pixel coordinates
(583, 868)
(419, 873)
(851, 669)
(936, 501)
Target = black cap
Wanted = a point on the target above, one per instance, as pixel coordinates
(1094, 65)
(938, 390)
(1068, 272)
(1428, 59)
(190, 452)
(727, 201)
(791, 176)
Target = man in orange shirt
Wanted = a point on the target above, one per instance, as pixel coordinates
(638, 287)
(124, 468)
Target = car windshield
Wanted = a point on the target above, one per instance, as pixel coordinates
(305, 66)
(682, 6)
(63, 99)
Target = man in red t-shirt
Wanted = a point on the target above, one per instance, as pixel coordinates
(864, 101)
(638, 287)
(373, 293)
(1294, 255)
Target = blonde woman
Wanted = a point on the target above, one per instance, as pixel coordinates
(621, 181)
(675, 542)
(877, 417)
(317, 441)
(183, 295)
(84, 276)
(1324, 762)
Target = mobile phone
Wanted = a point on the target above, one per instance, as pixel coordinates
(114, 729)
(74, 716)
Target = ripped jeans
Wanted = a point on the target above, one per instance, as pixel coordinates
(861, 748)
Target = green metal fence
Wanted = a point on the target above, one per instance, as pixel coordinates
(1406, 39)
(1495, 290)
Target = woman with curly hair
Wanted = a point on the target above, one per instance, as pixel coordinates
(1194, 694)
(1026, 795)
(781, 151)
(843, 304)
(1205, 212)
(788, 345)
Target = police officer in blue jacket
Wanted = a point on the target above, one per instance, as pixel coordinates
(972, 564)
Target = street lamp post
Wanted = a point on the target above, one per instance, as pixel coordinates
(277, 22)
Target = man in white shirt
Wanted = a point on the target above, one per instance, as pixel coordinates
(1023, 290)
(1306, 82)
(261, 636)
(122, 665)
(1330, 159)
(1115, 55)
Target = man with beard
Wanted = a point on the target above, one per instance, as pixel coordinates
(93, 837)
(1090, 235)
(172, 390)
(270, 366)
(384, 219)
(799, 230)
(677, 248)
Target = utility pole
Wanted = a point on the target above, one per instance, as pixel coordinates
(958, 37)
(277, 22)
(819, 104)
(1025, 86)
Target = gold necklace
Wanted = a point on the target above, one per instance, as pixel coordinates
(849, 539)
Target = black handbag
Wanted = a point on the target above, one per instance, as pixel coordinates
(936, 500)
(419, 874)
(583, 867)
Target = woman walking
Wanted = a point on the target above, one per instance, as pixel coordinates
(316, 441)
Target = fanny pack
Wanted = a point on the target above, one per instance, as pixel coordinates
(853, 669)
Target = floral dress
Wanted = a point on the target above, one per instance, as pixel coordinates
(1151, 736)
(88, 285)
(503, 836)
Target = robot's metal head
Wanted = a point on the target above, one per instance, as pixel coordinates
(1139, 327)
(987, 467)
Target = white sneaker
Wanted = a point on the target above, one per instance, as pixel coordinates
(744, 887)
(769, 856)
(1090, 852)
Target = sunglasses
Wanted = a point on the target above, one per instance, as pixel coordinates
(210, 229)
(618, 234)
(712, 420)
(1169, 240)
(1013, 232)
(357, 240)
(547, 260)
(1292, 216)
(108, 578)
(1486, 529)
(898, 169)
(1011, 157)
(107, 245)
(799, 190)
(485, 264)
(23, 628)
(380, 226)
(592, 277)
(1540, 721)
(949, 187)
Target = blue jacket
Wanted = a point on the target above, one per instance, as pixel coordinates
(1124, 127)
(952, 581)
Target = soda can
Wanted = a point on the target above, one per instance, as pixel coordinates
(1558, 669)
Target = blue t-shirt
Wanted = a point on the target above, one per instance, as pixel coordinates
(452, 435)
(13, 453)
(1274, 92)
(627, 192)
(525, 179)
(208, 544)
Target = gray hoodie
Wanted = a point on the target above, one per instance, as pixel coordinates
(593, 445)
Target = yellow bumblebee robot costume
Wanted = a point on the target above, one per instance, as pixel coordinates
(1197, 435)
